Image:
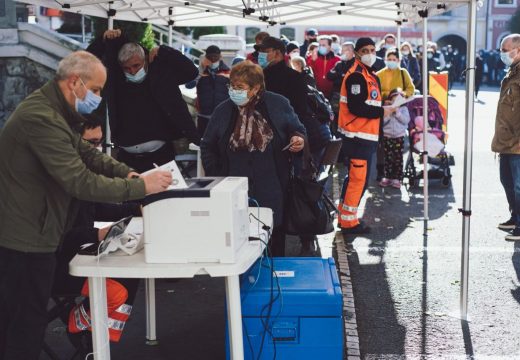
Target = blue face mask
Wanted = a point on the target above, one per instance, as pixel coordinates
(262, 59)
(214, 66)
(506, 58)
(239, 97)
(138, 77)
(392, 65)
(89, 103)
(322, 50)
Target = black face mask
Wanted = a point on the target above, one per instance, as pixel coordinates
(313, 39)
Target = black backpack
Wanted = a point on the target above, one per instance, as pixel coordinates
(319, 105)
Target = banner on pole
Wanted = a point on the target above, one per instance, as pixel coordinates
(438, 88)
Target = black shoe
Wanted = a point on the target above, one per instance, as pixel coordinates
(359, 229)
(508, 225)
(514, 236)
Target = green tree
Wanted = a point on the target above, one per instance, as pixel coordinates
(134, 31)
(514, 23)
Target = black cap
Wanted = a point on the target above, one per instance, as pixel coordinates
(362, 42)
(272, 43)
(312, 32)
(213, 50)
(293, 45)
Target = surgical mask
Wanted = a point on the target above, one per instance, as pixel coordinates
(368, 59)
(392, 65)
(506, 57)
(336, 48)
(322, 50)
(89, 103)
(138, 77)
(405, 52)
(239, 97)
(430, 55)
(344, 57)
(294, 54)
(214, 66)
(262, 59)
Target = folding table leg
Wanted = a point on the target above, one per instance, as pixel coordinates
(234, 310)
(99, 317)
(151, 335)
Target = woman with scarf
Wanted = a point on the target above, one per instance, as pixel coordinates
(246, 136)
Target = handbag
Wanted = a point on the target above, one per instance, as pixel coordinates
(309, 211)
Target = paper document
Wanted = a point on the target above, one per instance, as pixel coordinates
(399, 101)
(178, 181)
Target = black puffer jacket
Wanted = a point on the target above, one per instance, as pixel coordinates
(168, 70)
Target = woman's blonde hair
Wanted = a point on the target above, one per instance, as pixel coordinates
(248, 73)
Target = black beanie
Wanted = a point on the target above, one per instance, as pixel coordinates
(362, 42)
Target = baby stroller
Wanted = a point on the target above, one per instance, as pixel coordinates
(439, 160)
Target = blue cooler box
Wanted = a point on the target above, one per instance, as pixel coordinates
(306, 317)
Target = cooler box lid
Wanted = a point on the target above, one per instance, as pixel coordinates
(308, 287)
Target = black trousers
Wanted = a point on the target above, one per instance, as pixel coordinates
(145, 161)
(25, 288)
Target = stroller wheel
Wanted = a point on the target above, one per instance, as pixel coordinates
(446, 181)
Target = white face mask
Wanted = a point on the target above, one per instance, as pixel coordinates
(368, 59)
(405, 52)
(294, 54)
(507, 57)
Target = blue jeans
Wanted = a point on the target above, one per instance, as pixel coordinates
(510, 179)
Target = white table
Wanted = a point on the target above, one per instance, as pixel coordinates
(114, 266)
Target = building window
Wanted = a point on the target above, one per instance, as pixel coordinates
(505, 3)
(289, 32)
(250, 34)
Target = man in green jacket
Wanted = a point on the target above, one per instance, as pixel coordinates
(44, 164)
(506, 141)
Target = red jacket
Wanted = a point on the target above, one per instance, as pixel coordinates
(320, 68)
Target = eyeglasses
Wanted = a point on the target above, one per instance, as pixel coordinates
(95, 142)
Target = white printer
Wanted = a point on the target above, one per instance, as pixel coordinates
(206, 222)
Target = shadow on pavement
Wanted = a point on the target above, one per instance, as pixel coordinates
(390, 212)
(516, 266)
(468, 344)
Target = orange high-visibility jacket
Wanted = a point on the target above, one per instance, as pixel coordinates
(352, 125)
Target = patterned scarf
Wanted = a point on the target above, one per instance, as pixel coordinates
(252, 132)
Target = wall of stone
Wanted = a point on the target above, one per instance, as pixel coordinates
(18, 78)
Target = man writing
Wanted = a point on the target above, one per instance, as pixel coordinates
(506, 141)
(360, 113)
(44, 163)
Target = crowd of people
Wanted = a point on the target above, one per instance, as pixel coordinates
(262, 117)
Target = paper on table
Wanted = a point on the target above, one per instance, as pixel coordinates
(178, 181)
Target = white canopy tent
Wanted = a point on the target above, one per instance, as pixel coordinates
(236, 12)
(313, 13)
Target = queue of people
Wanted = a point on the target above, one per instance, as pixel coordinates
(254, 120)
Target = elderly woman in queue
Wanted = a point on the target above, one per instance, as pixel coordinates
(246, 136)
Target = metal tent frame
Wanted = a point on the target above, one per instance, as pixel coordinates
(312, 13)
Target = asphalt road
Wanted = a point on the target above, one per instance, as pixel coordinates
(407, 286)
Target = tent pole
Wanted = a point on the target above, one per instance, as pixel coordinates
(424, 15)
(398, 44)
(170, 27)
(83, 40)
(468, 157)
(108, 133)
